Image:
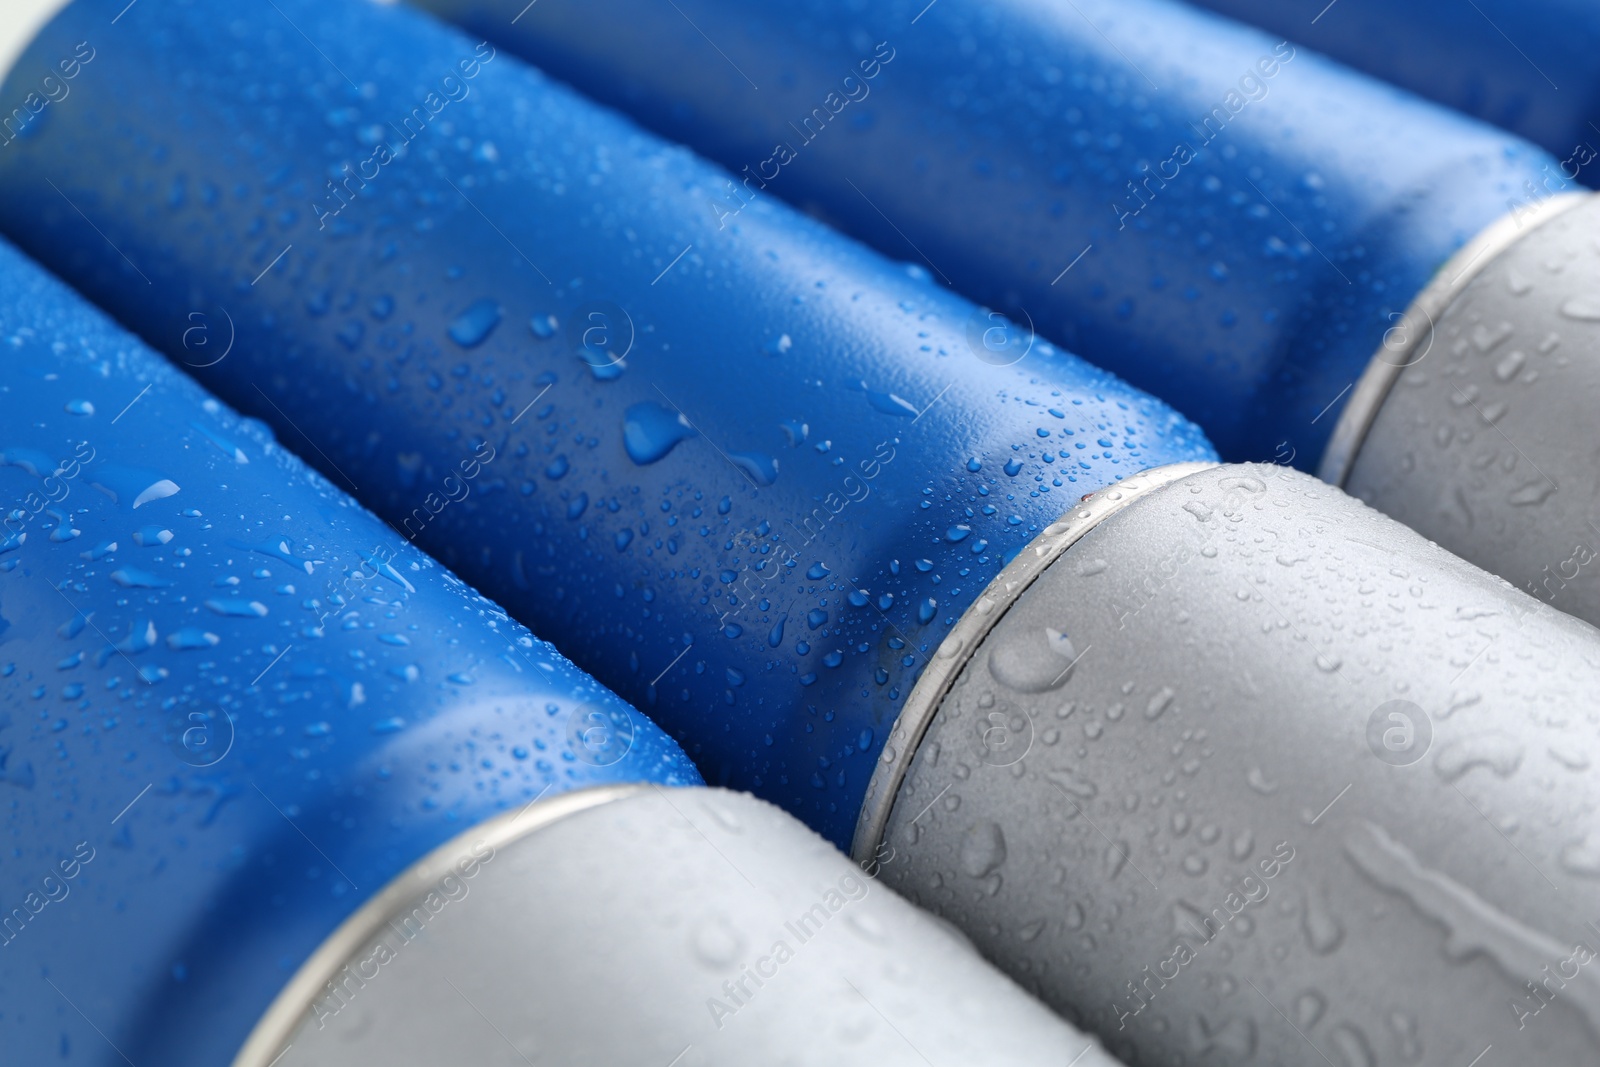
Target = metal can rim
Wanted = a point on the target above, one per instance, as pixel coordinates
(974, 625)
(270, 1037)
(1384, 368)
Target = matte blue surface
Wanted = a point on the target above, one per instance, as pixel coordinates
(748, 476)
(1245, 270)
(1527, 65)
(232, 702)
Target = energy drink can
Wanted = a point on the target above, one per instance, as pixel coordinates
(233, 704)
(1260, 236)
(646, 925)
(748, 472)
(1527, 67)
(1234, 766)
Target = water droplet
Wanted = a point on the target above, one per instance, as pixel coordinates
(1536, 492)
(1159, 703)
(1114, 859)
(983, 849)
(134, 578)
(98, 552)
(1235, 1036)
(31, 460)
(151, 536)
(1322, 931)
(650, 431)
(1583, 856)
(603, 366)
(761, 468)
(890, 404)
(1309, 1008)
(79, 407)
(238, 609)
(64, 530)
(1499, 752)
(1584, 308)
(868, 927)
(1257, 779)
(190, 638)
(473, 326)
(221, 444)
(1352, 1045)
(716, 943)
(132, 486)
(1471, 925)
(1510, 366)
(957, 533)
(1033, 660)
(1070, 783)
(280, 548)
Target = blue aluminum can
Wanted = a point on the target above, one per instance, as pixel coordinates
(1526, 66)
(1269, 241)
(233, 704)
(745, 470)
(1225, 219)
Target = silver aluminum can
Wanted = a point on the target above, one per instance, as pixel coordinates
(635, 925)
(1230, 768)
(1470, 424)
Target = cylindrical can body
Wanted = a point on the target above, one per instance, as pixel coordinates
(232, 703)
(1246, 770)
(685, 926)
(1224, 219)
(1475, 436)
(1526, 66)
(746, 474)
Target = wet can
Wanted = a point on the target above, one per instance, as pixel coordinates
(1470, 428)
(1260, 236)
(1526, 67)
(1233, 766)
(1250, 217)
(233, 704)
(637, 924)
(742, 469)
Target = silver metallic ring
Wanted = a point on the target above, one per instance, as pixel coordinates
(1386, 364)
(277, 1026)
(969, 632)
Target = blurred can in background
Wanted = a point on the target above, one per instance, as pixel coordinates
(1291, 253)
